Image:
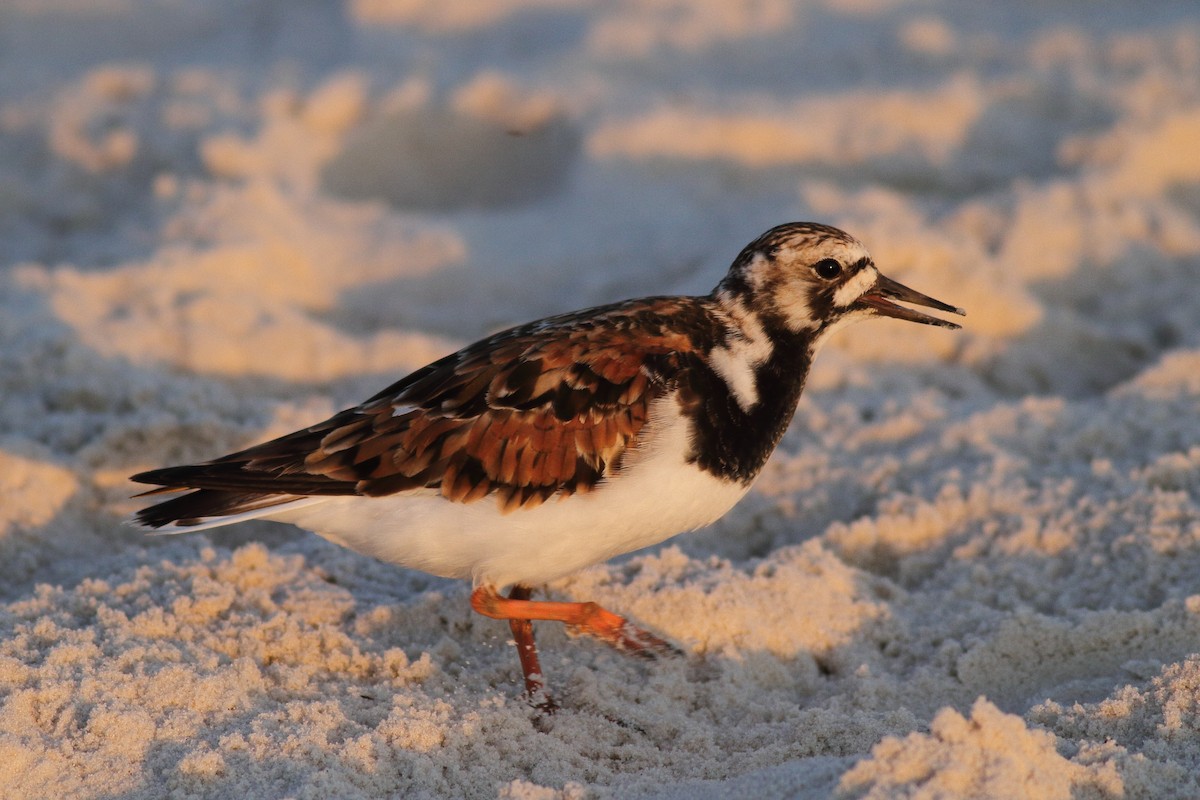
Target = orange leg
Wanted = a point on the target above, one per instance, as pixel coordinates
(522, 631)
(587, 618)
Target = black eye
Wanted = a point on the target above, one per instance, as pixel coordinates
(828, 268)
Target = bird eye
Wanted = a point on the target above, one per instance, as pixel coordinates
(828, 268)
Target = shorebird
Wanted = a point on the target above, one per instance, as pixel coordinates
(564, 442)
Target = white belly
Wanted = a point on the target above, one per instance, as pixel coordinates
(657, 496)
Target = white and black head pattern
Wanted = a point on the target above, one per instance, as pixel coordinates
(801, 277)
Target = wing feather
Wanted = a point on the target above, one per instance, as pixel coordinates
(546, 409)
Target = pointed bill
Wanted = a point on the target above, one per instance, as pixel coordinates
(879, 298)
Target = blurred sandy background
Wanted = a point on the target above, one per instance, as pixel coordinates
(972, 569)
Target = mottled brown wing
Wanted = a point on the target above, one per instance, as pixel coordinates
(544, 409)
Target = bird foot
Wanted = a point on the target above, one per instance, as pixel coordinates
(620, 633)
(586, 618)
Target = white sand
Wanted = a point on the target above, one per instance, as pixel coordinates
(972, 569)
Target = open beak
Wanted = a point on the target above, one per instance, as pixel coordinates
(880, 297)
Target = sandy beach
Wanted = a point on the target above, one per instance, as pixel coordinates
(971, 569)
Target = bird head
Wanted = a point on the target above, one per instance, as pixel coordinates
(808, 277)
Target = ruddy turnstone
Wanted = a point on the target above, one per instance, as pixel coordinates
(561, 443)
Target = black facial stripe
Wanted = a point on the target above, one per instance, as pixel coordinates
(820, 302)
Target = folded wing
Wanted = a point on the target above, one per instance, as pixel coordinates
(546, 409)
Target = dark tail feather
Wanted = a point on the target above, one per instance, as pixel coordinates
(232, 477)
(200, 506)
